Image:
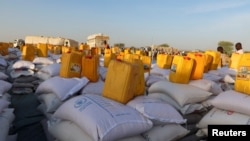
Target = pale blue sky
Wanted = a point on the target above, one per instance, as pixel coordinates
(183, 24)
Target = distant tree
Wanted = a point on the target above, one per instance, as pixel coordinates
(164, 45)
(227, 46)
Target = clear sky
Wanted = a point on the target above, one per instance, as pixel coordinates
(183, 24)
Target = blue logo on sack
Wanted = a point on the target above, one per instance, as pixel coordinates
(81, 104)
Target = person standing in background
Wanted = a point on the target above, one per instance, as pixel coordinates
(239, 49)
(224, 57)
(106, 45)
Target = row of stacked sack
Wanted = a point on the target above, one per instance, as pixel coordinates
(229, 86)
(6, 111)
(55, 91)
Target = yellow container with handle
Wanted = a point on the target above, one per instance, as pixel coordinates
(120, 84)
(28, 52)
(242, 81)
(140, 86)
(164, 61)
(181, 69)
(42, 50)
(71, 65)
(216, 59)
(198, 67)
(90, 67)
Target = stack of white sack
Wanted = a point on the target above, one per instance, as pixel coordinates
(6, 113)
(54, 91)
(3, 65)
(93, 88)
(156, 74)
(207, 85)
(167, 121)
(156, 70)
(48, 71)
(22, 76)
(41, 62)
(229, 108)
(225, 77)
(55, 57)
(115, 121)
(21, 68)
(14, 54)
(185, 98)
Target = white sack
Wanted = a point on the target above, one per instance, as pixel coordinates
(233, 100)
(62, 87)
(103, 119)
(182, 93)
(157, 110)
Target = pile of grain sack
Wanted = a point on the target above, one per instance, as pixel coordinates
(225, 90)
(115, 99)
(6, 112)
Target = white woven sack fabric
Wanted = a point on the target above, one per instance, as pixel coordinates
(168, 132)
(229, 79)
(102, 72)
(223, 117)
(151, 79)
(21, 64)
(62, 87)
(3, 62)
(216, 88)
(159, 71)
(227, 71)
(50, 101)
(186, 109)
(60, 131)
(43, 76)
(215, 72)
(48, 71)
(4, 87)
(6, 96)
(232, 100)
(157, 110)
(43, 60)
(52, 70)
(17, 73)
(8, 114)
(3, 76)
(212, 77)
(182, 93)
(208, 85)
(133, 138)
(93, 88)
(103, 119)
(201, 83)
(3, 104)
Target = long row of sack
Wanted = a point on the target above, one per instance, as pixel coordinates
(54, 92)
(225, 106)
(6, 111)
(167, 111)
(115, 121)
